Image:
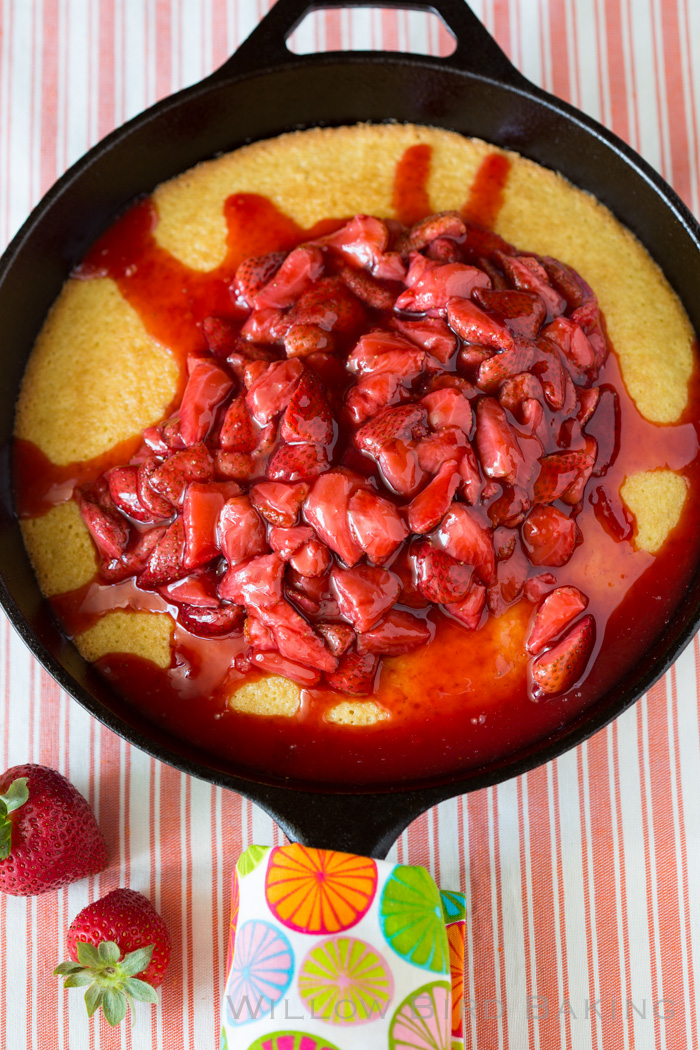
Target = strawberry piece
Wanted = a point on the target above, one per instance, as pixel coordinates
(503, 542)
(313, 559)
(376, 524)
(286, 541)
(308, 415)
(431, 334)
(549, 536)
(550, 371)
(153, 439)
(527, 275)
(564, 475)
(537, 586)
(432, 292)
(444, 251)
(256, 583)
(450, 443)
(273, 663)
(128, 921)
(363, 241)
(240, 531)
(326, 510)
(612, 514)
(238, 466)
(271, 391)
(221, 335)
(297, 462)
(124, 490)
(301, 268)
(554, 613)
(588, 316)
(381, 351)
(301, 340)
(428, 508)
(171, 478)
(472, 484)
(355, 674)
(518, 388)
(237, 434)
(253, 274)
(166, 561)
(511, 574)
(364, 594)
(268, 327)
(278, 502)
(497, 445)
(198, 590)
(330, 305)
(469, 609)
(206, 388)
(470, 358)
(510, 508)
(404, 421)
(377, 295)
(523, 313)
(463, 536)
(258, 636)
(338, 636)
(447, 407)
(474, 325)
(400, 466)
(397, 633)
(448, 224)
(200, 515)
(108, 529)
(373, 393)
(441, 578)
(491, 373)
(588, 398)
(604, 425)
(558, 669)
(215, 622)
(295, 638)
(134, 559)
(575, 347)
(568, 283)
(50, 837)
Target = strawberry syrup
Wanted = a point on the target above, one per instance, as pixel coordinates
(457, 704)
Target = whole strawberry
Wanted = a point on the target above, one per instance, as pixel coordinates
(120, 947)
(48, 834)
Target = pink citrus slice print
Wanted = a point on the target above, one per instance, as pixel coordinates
(345, 981)
(318, 890)
(291, 1041)
(422, 1021)
(261, 971)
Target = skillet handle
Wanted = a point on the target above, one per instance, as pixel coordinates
(476, 51)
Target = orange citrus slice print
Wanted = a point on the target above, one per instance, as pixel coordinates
(319, 890)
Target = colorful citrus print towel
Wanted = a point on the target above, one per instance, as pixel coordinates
(332, 951)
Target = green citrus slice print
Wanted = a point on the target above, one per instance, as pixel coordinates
(249, 860)
(412, 921)
(345, 981)
(319, 890)
(291, 1041)
(454, 905)
(422, 1021)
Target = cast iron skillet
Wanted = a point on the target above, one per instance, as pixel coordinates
(262, 91)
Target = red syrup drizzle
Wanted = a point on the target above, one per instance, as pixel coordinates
(410, 199)
(469, 718)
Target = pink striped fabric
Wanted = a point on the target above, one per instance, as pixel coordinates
(583, 877)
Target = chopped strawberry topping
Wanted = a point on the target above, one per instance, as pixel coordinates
(384, 423)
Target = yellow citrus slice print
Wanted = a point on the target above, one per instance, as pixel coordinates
(346, 982)
(319, 890)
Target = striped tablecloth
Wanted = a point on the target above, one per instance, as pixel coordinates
(583, 877)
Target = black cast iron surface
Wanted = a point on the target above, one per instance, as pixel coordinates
(262, 91)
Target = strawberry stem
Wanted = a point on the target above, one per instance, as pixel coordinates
(111, 980)
(15, 796)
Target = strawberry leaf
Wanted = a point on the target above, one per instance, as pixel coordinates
(137, 961)
(78, 980)
(64, 969)
(114, 1006)
(88, 955)
(108, 953)
(15, 796)
(93, 998)
(140, 990)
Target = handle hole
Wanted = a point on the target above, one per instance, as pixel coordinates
(372, 29)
